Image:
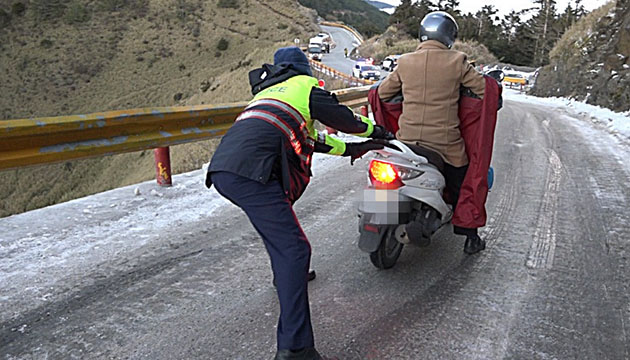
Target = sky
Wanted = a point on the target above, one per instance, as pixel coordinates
(505, 6)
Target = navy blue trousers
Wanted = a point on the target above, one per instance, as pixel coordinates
(271, 213)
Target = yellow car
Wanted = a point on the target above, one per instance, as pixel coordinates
(515, 79)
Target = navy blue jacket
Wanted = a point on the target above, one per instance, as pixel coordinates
(256, 149)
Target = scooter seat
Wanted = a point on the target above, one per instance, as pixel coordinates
(432, 156)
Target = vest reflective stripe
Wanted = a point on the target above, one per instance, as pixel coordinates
(283, 106)
(280, 124)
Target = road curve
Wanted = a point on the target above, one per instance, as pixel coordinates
(343, 39)
(336, 59)
(96, 281)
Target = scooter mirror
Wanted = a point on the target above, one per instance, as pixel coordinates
(498, 75)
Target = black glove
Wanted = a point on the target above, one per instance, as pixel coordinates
(356, 150)
(381, 133)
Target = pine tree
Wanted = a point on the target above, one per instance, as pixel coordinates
(402, 13)
(408, 15)
(540, 33)
(509, 38)
(568, 18)
(547, 15)
(509, 24)
(450, 6)
(579, 10)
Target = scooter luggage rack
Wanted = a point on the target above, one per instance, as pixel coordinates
(402, 152)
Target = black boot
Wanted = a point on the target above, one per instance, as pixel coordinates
(474, 244)
(311, 276)
(304, 354)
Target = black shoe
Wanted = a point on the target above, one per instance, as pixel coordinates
(311, 276)
(474, 244)
(304, 354)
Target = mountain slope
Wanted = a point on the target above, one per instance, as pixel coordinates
(591, 61)
(134, 53)
(62, 57)
(367, 19)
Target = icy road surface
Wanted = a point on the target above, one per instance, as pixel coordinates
(179, 273)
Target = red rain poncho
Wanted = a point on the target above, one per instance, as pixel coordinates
(477, 123)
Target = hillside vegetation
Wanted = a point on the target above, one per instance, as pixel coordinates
(367, 19)
(522, 37)
(63, 57)
(591, 61)
(394, 42)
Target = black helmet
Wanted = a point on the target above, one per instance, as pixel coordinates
(439, 26)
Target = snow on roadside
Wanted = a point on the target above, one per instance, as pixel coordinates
(616, 123)
(48, 251)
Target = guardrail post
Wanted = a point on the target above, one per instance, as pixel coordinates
(163, 166)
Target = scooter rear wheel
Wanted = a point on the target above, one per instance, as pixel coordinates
(388, 251)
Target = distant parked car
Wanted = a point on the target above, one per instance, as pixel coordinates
(513, 78)
(323, 40)
(390, 62)
(315, 52)
(369, 72)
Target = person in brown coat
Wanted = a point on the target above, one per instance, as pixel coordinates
(430, 79)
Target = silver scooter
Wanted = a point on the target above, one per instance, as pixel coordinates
(403, 203)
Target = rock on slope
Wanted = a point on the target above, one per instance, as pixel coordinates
(592, 60)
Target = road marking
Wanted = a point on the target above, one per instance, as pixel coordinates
(543, 247)
(623, 329)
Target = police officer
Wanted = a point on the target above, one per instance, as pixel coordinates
(263, 165)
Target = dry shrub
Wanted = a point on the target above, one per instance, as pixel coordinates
(234, 4)
(572, 42)
(476, 52)
(5, 19)
(48, 9)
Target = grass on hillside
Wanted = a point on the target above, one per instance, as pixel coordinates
(173, 52)
(571, 44)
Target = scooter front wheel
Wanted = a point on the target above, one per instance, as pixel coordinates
(388, 251)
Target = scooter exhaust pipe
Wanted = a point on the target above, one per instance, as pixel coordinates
(411, 233)
(401, 234)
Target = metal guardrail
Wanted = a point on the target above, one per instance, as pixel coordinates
(348, 79)
(27, 142)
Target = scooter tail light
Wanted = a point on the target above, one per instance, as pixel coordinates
(384, 175)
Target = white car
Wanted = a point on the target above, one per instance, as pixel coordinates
(315, 52)
(364, 71)
(390, 62)
(323, 40)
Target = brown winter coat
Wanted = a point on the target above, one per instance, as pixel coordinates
(430, 80)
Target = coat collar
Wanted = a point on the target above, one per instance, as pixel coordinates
(431, 44)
